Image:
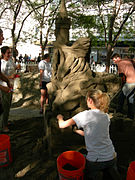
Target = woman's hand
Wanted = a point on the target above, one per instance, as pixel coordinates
(59, 117)
(66, 123)
(60, 120)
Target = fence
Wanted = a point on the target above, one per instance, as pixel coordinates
(30, 66)
(102, 67)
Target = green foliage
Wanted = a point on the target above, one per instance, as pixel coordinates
(83, 21)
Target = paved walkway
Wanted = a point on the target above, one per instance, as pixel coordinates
(23, 113)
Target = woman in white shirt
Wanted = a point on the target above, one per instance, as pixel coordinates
(95, 122)
(8, 68)
(45, 77)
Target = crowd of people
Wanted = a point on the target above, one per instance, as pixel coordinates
(93, 124)
(27, 59)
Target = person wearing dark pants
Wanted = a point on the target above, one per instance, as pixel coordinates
(126, 67)
(102, 170)
(101, 155)
(45, 77)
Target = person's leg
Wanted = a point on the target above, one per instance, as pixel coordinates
(6, 102)
(111, 171)
(120, 103)
(97, 170)
(43, 93)
(46, 97)
(93, 171)
(131, 108)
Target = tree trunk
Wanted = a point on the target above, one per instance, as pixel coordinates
(14, 50)
(109, 54)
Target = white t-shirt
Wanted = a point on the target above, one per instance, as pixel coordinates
(8, 68)
(96, 133)
(46, 66)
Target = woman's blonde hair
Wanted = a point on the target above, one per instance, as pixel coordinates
(101, 100)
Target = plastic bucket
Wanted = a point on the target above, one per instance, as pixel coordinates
(5, 150)
(73, 159)
(131, 171)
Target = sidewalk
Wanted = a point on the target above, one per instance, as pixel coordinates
(23, 113)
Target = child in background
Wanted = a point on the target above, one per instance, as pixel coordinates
(95, 123)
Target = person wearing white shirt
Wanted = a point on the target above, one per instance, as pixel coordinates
(8, 68)
(95, 123)
(45, 77)
(2, 76)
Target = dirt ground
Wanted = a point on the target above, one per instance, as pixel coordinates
(36, 159)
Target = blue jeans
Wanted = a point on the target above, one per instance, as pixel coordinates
(98, 170)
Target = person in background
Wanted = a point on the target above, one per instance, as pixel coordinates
(25, 58)
(3, 78)
(39, 58)
(95, 123)
(20, 58)
(45, 77)
(92, 60)
(127, 72)
(8, 68)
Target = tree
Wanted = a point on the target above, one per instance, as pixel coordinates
(45, 17)
(17, 12)
(105, 19)
(117, 18)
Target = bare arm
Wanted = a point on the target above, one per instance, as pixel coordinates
(5, 78)
(79, 131)
(5, 89)
(66, 123)
(18, 66)
(41, 74)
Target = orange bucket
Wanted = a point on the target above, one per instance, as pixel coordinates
(131, 171)
(70, 165)
(5, 150)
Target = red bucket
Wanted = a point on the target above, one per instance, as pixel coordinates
(5, 150)
(76, 161)
(131, 171)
